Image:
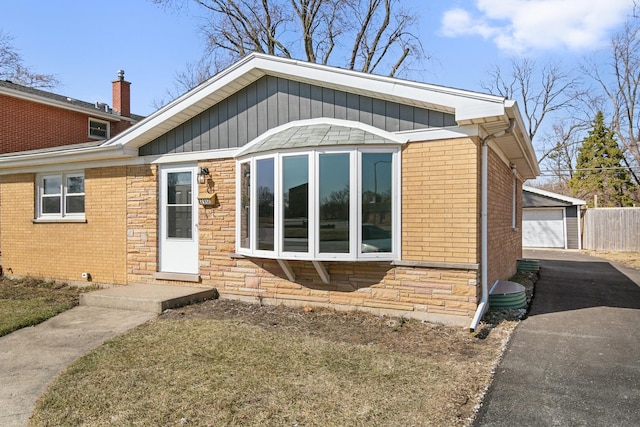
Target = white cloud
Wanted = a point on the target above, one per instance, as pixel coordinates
(520, 26)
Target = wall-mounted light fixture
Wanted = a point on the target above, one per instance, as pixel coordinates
(202, 175)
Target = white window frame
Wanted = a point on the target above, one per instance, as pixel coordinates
(108, 129)
(355, 208)
(63, 193)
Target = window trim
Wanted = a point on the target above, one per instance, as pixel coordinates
(355, 208)
(104, 122)
(63, 194)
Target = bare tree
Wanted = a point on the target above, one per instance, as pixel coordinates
(546, 94)
(13, 69)
(364, 35)
(193, 74)
(540, 92)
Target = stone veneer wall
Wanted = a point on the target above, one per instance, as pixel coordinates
(437, 278)
(142, 223)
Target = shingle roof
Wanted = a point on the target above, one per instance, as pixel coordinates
(59, 98)
(316, 135)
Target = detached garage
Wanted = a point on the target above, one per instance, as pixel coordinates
(550, 220)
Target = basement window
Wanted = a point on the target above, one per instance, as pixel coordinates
(61, 196)
(98, 129)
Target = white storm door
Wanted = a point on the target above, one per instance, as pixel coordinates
(178, 220)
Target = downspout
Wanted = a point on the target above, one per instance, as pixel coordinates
(484, 224)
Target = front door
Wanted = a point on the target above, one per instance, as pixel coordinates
(178, 220)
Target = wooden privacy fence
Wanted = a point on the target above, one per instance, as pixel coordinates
(612, 229)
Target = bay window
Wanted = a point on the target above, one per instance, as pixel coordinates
(319, 204)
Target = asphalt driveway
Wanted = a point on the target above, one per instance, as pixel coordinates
(575, 361)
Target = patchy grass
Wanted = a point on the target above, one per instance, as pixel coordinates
(629, 259)
(28, 301)
(230, 363)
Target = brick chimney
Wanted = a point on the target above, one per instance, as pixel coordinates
(121, 90)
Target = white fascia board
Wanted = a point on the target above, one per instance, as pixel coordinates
(58, 104)
(572, 200)
(469, 106)
(62, 157)
(433, 134)
(523, 136)
(174, 112)
(481, 112)
(404, 91)
(194, 156)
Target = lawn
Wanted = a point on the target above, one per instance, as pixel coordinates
(230, 363)
(629, 259)
(29, 301)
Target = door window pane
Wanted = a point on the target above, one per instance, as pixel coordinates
(179, 205)
(295, 187)
(179, 188)
(265, 183)
(179, 221)
(245, 203)
(334, 203)
(377, 199)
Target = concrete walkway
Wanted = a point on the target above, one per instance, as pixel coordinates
(575, 361)
(31, 357)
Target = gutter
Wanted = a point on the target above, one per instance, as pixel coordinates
(93, 112)
(70, 155)
(484, 225)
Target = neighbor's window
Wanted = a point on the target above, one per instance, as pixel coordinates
(61, 195)
(319, 204)
(98, 129)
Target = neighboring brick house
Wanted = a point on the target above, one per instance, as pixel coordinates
(288, 182)
(32, 119)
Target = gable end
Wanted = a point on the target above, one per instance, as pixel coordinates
(271, 101)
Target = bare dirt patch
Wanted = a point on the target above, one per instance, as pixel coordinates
(225, 362)
(629, 259)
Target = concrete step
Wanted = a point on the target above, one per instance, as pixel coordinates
(148, 298)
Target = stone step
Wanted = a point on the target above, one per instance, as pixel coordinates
(152, 298)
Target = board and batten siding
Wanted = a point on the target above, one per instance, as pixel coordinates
(272, 101)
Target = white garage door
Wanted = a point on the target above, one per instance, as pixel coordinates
(543, 228)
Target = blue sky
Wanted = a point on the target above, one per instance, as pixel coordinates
(85, 42)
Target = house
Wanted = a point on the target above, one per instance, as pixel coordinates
(551, 220)
(32, 118)
(283, 181)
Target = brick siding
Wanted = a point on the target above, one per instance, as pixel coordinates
(505, 243)
(440, 201)
(64, 250)
(440, 214)
(28, 125)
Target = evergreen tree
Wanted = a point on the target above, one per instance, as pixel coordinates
(599, 169)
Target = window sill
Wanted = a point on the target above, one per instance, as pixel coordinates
(390, 258)
(59, 220)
